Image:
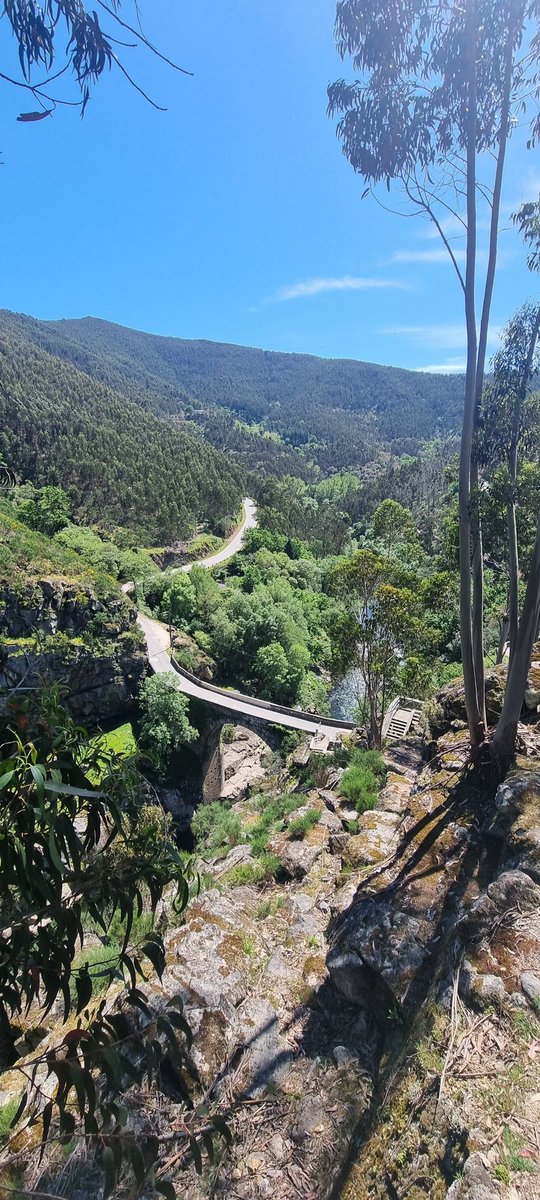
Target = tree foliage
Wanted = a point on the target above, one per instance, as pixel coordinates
(75, 859)
(436, 91)
(67, 36)
(527, 220)
(384, 625)
(164, 725)
(120, 465)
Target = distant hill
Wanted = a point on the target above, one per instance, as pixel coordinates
(122, 466)
(337, 412)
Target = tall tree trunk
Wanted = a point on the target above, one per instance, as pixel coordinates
(513, 552)
(513, 568)
(474, 715)
(478, 555)
(478, 593)
(505, 734)
(503, 638)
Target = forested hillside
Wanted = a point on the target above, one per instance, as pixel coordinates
(119, 464)
(337, 411)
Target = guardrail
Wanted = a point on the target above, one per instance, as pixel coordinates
(265, 705)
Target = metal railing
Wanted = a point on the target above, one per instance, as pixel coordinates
(265, 705)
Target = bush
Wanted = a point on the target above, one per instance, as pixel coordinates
(216, 825)
(290, 740)
(363, 779)
(266, 867)
(228, 733)
(299, 826)
(273, 815)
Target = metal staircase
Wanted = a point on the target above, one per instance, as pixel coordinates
(403, 713)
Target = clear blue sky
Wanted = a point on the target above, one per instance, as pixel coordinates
(232, 216)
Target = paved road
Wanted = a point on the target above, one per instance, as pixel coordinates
(157, 641)
(235, 544)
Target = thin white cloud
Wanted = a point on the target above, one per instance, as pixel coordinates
(452, 366)
(426, 256)
(529, 191)
(343, 283)
(444, 337)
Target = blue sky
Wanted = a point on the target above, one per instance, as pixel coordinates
(233, 216)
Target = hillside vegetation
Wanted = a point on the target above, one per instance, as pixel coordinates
(119, 464)
(337, 412)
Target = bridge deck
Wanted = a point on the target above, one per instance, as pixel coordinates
(157, 641)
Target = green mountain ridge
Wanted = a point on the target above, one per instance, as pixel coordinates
(119, 464)
(336, 411)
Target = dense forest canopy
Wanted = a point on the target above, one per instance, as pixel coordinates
(120, 465)
(338, 412)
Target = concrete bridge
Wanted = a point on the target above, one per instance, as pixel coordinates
(323, 729)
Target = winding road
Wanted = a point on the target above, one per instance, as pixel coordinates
(235, 544)
(158, 644)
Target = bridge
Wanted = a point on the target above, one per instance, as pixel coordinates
(323, 729)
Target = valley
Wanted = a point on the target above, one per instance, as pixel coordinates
(270, 601)
(203, 639)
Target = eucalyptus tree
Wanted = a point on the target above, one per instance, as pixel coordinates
(437, 95)
(384, 625)
(527, 220)
(61, 37)
(510, 425)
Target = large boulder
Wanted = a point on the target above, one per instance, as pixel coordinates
(451, 700)
(517, 819)
(243, 759)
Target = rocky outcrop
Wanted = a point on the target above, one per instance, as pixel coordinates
(250, 967)
(56, 631)
(53, 605)
(99, 685)
(451, 700)
(244, 756)
(384, 942)
(476, 1183)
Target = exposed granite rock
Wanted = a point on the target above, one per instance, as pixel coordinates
(242, 762)
(387, 927)
(517, 820)
(532, 694)
(531, 986)
(451, 700)
(377, 837)
(481, 989)
(475, 1183)
(179, 808)
(58, 631)
(53, 605)
(99, 686)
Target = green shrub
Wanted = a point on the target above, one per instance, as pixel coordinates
(290, 740)
(228, 733)
(269, 907)
(299, 826)
(185, 658)
(273, 814)
(266, 867)
(216, 825)
(164, 725)
(203, 640)
(361, 786)
(7, 1113)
